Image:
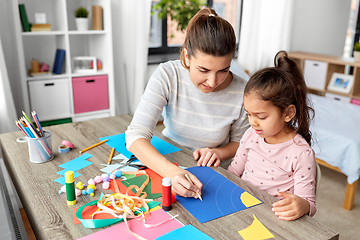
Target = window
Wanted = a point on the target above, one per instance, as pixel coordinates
(160, 41)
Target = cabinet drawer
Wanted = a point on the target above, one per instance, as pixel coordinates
(315, 74)
(337, 97)
(50, 98)
(90, 93)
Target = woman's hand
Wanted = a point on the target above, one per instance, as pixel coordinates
(182, 187)
(291, 207)
(206, 157)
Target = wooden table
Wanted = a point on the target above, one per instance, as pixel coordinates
(52, 218)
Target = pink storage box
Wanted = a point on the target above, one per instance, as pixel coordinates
(90, 93)
(355, 101)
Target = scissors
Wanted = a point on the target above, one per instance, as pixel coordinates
(129, 163)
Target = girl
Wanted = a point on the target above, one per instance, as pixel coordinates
(200, 99)
(275, 153)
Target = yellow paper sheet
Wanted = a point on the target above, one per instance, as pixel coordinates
(256, 231)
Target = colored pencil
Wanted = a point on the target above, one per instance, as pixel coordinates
(29, 121)
(189, 179)
(111, 155)
(34, 134)
(31, 127)
(95, 145)
(36, 120)
(18, 124)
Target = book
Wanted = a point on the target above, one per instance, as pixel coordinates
(36, 74)
(23, 17)
(38, 29)
(41, 25)
(97, 20)
(59, 61)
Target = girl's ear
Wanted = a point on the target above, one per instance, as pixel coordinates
(290, 112)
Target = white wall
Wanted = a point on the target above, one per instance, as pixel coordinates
(10, 52)
(319, 26)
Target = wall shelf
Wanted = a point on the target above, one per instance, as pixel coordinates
(42, 45)
(332, 65)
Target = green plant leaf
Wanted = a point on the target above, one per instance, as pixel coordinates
(178, 10)
(81, 12)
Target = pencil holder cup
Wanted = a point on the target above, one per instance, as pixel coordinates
(40, 149)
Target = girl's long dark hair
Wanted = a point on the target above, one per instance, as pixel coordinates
(284, 85)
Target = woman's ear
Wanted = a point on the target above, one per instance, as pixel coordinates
(290, 113)
(186, 55)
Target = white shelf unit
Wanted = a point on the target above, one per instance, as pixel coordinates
(42, 47)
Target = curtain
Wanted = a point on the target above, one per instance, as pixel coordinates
(131, 26)
(7, 106)
(265, 30)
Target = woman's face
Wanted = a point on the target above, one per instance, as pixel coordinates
(209, 73)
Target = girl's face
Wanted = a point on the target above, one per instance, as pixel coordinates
(268, 121)
(209, 73)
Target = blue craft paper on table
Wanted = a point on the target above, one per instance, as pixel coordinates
(118, 142)
(220, 196)
(187, 232)
(73, 165)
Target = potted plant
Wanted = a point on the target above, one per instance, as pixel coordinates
(178, 10)
(82, 22)
(357, 52)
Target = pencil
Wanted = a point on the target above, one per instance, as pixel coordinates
(32, 125)
(37, 122)
(111, 155)
(95, 145)
(18, 124)
(188, 178)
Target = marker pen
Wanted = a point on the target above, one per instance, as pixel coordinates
(166, 194)
(70, 188)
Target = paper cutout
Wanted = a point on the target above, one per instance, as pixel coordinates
(89, 210)
(120, 156)
(156, 181)
(256, 231)
(138, 181)
(187, 232)
(220, 196)
(114, 232)
(113, 166)
(73, 165)
(249, 200)
(118, 142)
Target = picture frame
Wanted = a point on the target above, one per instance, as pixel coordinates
(341, 82)
(83, 64)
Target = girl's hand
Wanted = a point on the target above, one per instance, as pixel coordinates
(182, 187)
(291, 207)
(206, 157)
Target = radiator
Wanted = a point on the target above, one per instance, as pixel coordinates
(11, 224)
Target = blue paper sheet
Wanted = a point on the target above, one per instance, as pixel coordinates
(73, 165)
(118, 142)
(220, 196)
(187, 232)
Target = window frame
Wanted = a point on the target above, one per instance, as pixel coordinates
(165, 49)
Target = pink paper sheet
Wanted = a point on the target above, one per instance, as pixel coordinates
(120, 231)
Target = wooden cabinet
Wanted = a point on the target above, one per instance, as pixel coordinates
(42, 46)
(318, 70)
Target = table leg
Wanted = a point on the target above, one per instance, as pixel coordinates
(350, 195)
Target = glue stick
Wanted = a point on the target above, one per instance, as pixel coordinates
(166, 193)
(70, 188)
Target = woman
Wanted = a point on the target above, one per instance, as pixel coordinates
(201, 101)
